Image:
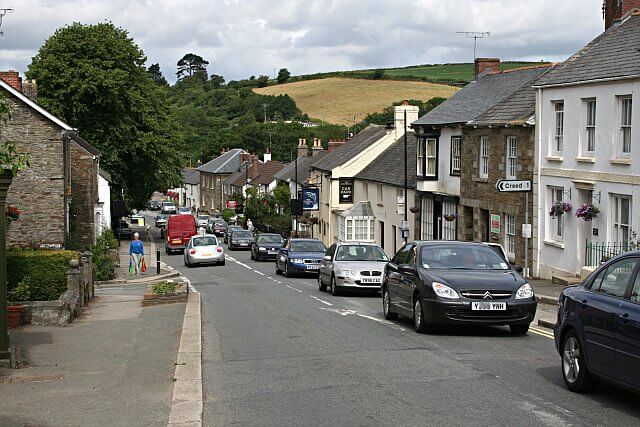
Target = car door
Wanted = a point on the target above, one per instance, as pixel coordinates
(600, 310)
(326, 266)
(628, 337)
(393, 277)
(407, 279)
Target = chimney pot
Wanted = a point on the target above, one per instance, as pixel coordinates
(616, 10)
(486, 65)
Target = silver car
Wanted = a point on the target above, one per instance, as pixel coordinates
(354, 266)
(204, 249)
(202, 221)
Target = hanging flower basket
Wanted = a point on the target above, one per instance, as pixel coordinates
(587, 212)
(560, 208)
(314, 220)
(13, 214)
(414, 209)
(451, 217)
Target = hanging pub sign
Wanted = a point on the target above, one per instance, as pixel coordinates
(346, 190)
(310, 199)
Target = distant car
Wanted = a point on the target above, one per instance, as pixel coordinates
(266, 246)
(168, 208)
(180, 228)
(230, 229)
(204, 249)
(183, 210)
(597, 331)
(154, 205)
(161, 221)
(300, 256)
(464, 283)
(122, 230)
(240, 239)
(354, 266)
(202, 221)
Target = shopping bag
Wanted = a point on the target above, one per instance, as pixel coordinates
(130, 265)
(143, 267)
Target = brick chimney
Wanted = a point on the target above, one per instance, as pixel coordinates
(486, 65)
(30, 88)
(615, 10)
(244, 158)
(254, 168)
(13, 78)
(303, 148)
(267, 155)
(335, 143)
(317, 146)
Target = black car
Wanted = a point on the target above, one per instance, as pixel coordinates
(598, 329)
(154, 205)
(230, 229)
(122, 230)
(240, 239)
(439, 283)
(266, 246)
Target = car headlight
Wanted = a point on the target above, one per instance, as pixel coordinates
(297, 261)
(525, 291)
(283, 258)
(444, 291)
(262, 249)
(351, 273)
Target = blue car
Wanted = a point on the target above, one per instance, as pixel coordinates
(301, 256)
(598, 329)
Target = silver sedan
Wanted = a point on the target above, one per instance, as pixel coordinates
(352, 265)
(204, 249)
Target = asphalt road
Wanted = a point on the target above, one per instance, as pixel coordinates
(278, 351)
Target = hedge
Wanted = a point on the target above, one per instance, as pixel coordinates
(43, 273)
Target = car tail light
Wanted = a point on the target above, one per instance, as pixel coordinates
(219, 250)
(192, 251)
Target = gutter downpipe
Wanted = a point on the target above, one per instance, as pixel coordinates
(538, 198)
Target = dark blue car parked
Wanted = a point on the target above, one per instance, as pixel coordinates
(598, 328)
(300, 256)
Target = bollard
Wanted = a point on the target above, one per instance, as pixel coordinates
(158, 261)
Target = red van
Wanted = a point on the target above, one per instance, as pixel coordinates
(180, 228)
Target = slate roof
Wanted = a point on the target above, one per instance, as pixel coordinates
(347, 151)
(478, 96)
(288, 172)
(613, 54)
(239, 177)
(190, 176)
(514, 110)
(225, 163)
(388, 167)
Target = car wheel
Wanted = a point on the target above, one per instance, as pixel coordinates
(574, 368)
(335, 290)
(278, 271)
(418, 317)
(386, 306)
(519, 329)
(223, 262)
(286, 270)
(321, 286)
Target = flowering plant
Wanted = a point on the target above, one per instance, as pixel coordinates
(559, 208)
(587, 212)
(13, 214)
(451, 217)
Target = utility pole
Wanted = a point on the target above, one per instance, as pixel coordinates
(264, 107)
(475, 35)
(405, 223)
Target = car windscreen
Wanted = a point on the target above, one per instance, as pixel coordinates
(267, 240)
(205, 241)
(497, 250)
(360, 253)
(307, 246)
(243, 234)
(220, 224)
(452, 257)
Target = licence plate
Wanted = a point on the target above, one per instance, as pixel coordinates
(313, 267)
(273, 252)
(489, 306)
(208, 254)
(176, 241)
(371, 280)
(244, 244)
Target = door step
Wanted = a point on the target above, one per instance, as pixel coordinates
(565, 280)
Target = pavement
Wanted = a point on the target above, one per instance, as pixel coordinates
(277, 351)
(114, 365)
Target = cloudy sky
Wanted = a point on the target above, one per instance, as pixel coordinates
(241, 38)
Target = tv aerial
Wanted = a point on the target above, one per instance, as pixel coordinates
(3, 12)
(475, 35)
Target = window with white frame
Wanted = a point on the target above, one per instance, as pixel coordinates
(510, 235)
(431, 152)
(426, 221)
(621, 219)
(420, 159)
(559, 127)
(484, 158)
(590, 126)
(625, 124)
(556, 223)
(512, 157)
(358, 229)
(449, 227)
(456, 149)
(380, 193)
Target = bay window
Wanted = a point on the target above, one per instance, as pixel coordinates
(427, 158)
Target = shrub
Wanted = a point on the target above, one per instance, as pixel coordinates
(227, 214)
(42, 273)
(22, 292)
(164, 288)
(103, 265)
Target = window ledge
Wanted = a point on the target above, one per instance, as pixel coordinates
(620, 161)
(554, 158)
(380, 204)
(481, 179)
(554, 243)
(585, 159)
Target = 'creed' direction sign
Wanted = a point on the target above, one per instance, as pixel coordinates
(513, 186)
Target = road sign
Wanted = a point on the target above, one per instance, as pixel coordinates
(513, 186)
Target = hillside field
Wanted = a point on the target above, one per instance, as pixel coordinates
(336, 100)
(461, 72)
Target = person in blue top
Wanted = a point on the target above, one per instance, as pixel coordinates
(136, 251)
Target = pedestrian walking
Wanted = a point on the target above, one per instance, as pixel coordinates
(249, 225)
(136, 252)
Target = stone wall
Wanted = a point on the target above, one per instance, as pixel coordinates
(84, 190)
(38, 192)
(478, 195)
(211, 191)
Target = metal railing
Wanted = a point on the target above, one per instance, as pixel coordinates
(597, 252)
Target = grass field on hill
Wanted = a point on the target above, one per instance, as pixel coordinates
(337, 100)
(462, 72)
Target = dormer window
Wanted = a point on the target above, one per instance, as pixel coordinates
(427, 161)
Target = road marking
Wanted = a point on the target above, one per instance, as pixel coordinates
(297, 290)
(343, 312)
(321, 300)
(260, 273)
(541, 332)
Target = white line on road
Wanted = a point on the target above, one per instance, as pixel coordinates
(343, 312)
(297, 290)
(260, 273)
(321, 300)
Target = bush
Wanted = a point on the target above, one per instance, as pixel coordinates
(164, 288)
(227, 214)
(22, 292)
(103, 265)
(41, 275)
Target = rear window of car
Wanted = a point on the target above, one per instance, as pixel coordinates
(269, 239)
(307, 246)
(242, 233)
(360, 253)
(461, 258)
(203, 217)
(205, 241)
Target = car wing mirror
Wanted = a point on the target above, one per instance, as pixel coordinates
(518, 268)
(406, 269)
(327, 258)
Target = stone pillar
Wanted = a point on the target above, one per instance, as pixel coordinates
(87, 257)
(73, 276)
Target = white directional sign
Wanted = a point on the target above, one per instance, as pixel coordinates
(513, 186)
